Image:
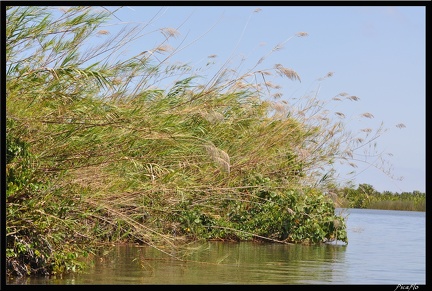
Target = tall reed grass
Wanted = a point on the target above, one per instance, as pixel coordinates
(97, 153)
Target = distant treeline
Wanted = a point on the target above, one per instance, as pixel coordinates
(365, 196)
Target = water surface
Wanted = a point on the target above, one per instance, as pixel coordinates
(385, 247)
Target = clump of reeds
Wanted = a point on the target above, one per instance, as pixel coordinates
(98, 152)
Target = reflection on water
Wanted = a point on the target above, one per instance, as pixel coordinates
(215, 263)
(385, 247)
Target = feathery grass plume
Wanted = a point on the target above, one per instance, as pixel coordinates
(170, 32)
(353, 98)
(103, 32)
(302, 34)
(220, 157)
(164, 48)
(328, 75)
(367, 115)
(277, 95)
(340, 114)
(213, 116)
(291, 74)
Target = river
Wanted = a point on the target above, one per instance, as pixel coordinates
(385, 247)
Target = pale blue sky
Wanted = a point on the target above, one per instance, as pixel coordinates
(376, 54)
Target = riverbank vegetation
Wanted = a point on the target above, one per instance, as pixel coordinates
(365, 196)
(98, 153)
